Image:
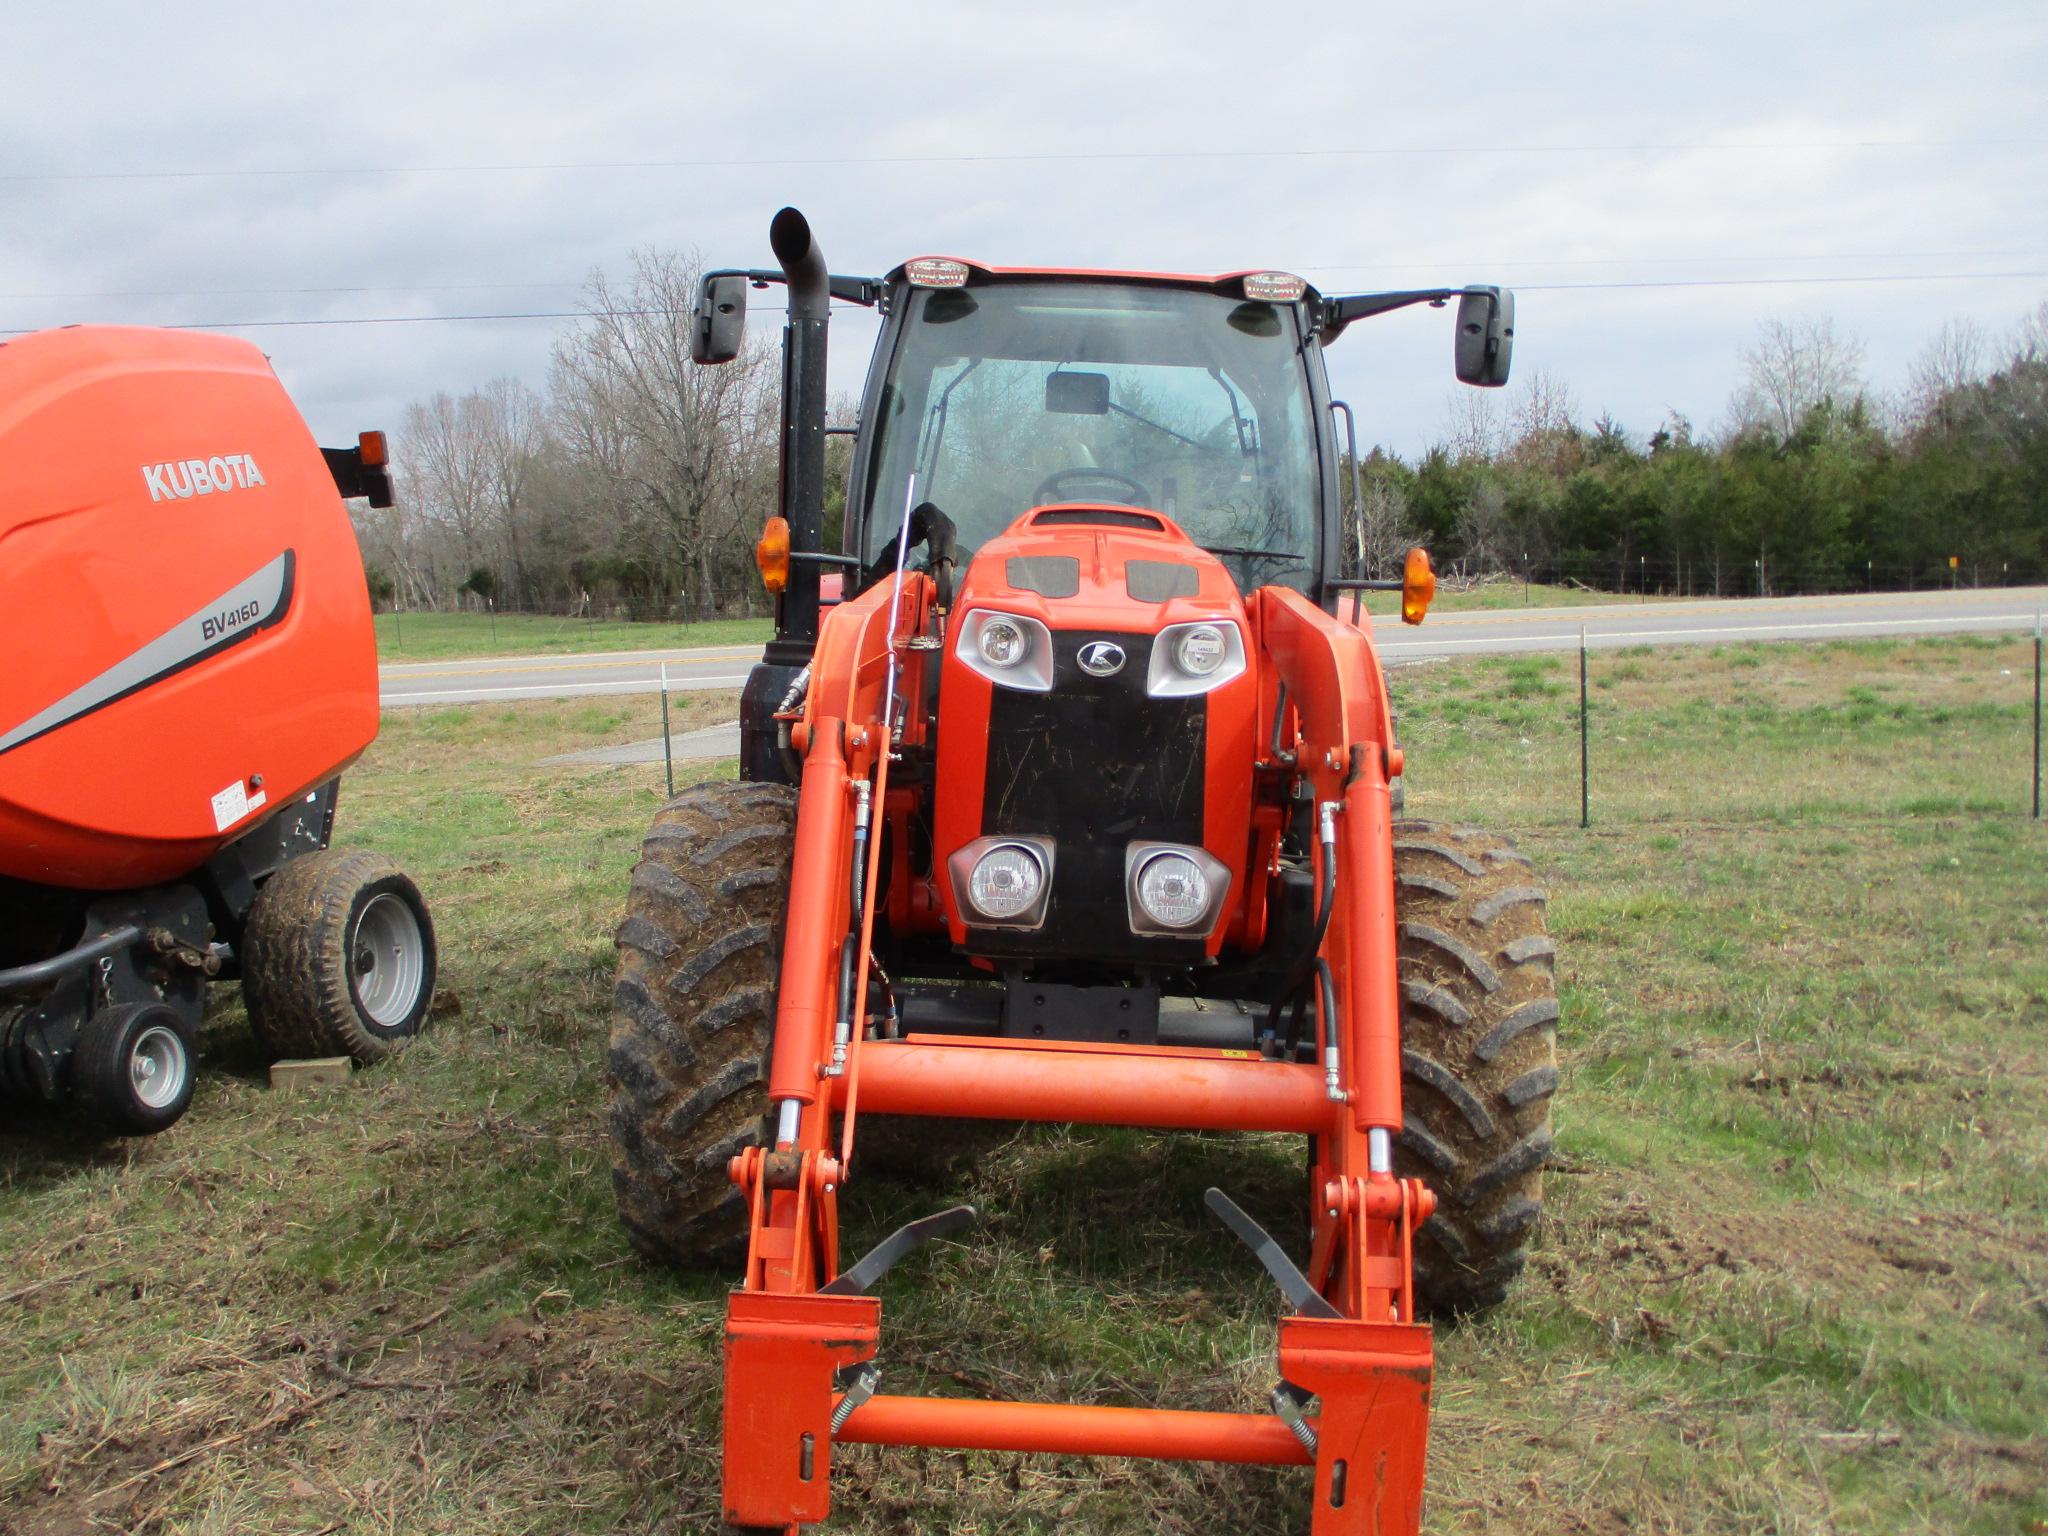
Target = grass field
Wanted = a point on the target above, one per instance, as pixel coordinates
(1499, 593)
(443, 636)
(1794, 1276)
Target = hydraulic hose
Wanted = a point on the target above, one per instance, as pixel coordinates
(1304, 966)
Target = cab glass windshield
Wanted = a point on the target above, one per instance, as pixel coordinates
(1015, 395)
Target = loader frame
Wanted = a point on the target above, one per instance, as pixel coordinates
(795, 1349)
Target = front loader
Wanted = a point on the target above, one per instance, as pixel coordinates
(1067, 795)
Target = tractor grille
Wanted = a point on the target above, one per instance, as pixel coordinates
(1094, 765)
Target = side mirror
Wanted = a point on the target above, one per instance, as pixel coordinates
(1486, 336)
(1077, 394)
(718, 326)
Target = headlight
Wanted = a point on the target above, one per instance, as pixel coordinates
(1200, 650)
(1194, 658)
(1007, 648)
(1173, 890)
(1002, 643)
(1005, 881)
(1002, 881)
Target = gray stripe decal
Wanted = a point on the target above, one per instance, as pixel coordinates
(240, 611)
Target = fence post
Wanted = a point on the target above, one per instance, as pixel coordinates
(1585, 765)
(668, 757)
(2037, 714)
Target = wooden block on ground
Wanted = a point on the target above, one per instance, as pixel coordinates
(305, 1074)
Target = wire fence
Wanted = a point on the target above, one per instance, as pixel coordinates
(1647, 575)
(1838, 731)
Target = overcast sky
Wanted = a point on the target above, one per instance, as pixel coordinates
(213, 164)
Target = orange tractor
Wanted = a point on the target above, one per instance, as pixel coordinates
(1068, 794)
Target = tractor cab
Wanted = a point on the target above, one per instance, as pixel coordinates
(1184, 397)
(994, 391)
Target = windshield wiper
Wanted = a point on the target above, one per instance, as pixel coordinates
(1270, 554)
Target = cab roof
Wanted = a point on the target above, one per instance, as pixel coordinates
(982, 272)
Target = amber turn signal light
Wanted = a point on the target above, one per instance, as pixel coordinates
(371, 446)
(771, 555)
(1418, 586)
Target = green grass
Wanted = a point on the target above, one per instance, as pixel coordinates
(442, 636)
(1791, 1279)
(1496, 593)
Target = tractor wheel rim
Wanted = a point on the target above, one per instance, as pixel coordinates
(388, 960)
(158, 1067)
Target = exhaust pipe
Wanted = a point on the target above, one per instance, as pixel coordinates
(802, 496)
(803, 265)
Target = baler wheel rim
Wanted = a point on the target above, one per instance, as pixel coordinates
(387, 961)
(159, 1066)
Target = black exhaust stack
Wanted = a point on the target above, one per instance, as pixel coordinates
(802, 497)
(803, 431)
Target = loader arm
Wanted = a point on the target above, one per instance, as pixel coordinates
(799, 1360)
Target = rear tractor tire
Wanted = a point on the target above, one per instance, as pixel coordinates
(693, 1017)
(338, 958)
(132, 1068)
(1479, 1016)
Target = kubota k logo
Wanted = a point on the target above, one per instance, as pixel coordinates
(1101, 658)
(182, 479)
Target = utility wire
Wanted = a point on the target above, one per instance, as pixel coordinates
(1389, 151)
(1406, 264)
(584, 314)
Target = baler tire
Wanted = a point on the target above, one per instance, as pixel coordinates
(311, 976)
(132, 1069)
(1479, 1019)
(693, 1017)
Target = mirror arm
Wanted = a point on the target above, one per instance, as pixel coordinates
(850, 290)
(1333, 314)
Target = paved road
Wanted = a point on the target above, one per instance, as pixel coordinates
(485, 679)
(1714, 622)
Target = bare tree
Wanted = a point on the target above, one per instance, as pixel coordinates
(1940, 378)
(511, 428)
(1485, 529)
(447, 455)
(684, 446)
(1475, 429)
(2030, 339)
(1543, 426)
(1383, 530)
(1793, 367)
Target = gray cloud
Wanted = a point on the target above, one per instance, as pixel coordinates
(1494, 112)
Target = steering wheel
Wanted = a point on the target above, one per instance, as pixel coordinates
(1050, 487)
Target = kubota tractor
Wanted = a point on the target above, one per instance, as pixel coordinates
(1074, 803)
(188, 667)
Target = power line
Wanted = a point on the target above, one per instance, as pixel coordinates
(584, 314)
(1365, 152)
(1403, 264)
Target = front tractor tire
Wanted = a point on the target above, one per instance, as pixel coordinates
(693, 1017)
(338, 958)
(1479, 1019)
